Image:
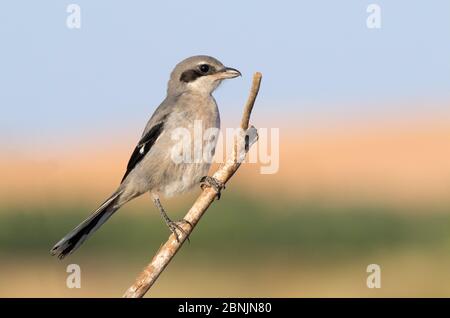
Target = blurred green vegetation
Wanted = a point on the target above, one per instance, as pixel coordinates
(238, 228)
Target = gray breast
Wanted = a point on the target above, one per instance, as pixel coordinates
(200, 118)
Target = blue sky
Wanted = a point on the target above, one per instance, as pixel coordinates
(112, 73)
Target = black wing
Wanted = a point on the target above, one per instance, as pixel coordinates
(143, 147)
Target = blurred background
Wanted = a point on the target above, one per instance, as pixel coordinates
(364, 146)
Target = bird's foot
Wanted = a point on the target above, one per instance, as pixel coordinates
(212, 182)
(176, 225)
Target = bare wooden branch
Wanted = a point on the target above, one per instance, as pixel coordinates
(251, 100)
(167, 251)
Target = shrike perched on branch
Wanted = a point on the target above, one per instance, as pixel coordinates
(151, 167)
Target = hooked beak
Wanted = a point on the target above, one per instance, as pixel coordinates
(229, 72)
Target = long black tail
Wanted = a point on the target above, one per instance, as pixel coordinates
(78, 235)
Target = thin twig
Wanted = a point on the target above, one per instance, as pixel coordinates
(167, 251)
(251, 100)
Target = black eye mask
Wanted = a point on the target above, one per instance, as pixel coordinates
(192, 75)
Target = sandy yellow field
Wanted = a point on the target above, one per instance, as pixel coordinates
(403, 162)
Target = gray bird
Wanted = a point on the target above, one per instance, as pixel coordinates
(151, 168)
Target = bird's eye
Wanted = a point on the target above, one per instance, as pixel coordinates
(204, 68)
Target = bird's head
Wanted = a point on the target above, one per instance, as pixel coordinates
(199, 74)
